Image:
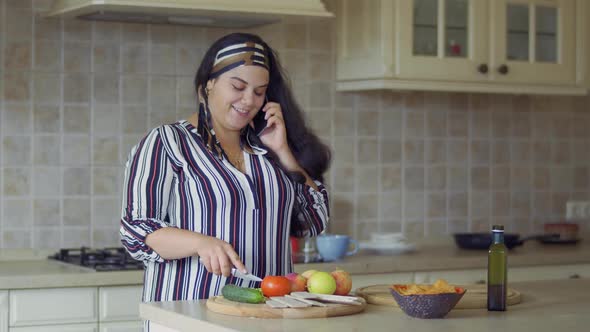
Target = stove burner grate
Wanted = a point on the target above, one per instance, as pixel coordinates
(104, 259)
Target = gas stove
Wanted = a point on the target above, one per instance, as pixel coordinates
(105, 259)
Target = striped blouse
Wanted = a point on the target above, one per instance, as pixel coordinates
(173, 180)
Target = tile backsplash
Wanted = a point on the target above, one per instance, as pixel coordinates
(75, 96)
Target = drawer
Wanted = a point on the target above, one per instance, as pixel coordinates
(119, 303)
(122, 327)
(57, 328)
(3, 311)
(53, 306)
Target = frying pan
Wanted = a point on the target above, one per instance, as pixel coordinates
(480, 241)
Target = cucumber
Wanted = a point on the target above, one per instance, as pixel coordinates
(242, 294)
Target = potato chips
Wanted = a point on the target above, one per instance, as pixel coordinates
(439, 287)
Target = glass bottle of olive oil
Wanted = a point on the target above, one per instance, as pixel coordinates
(497, 270)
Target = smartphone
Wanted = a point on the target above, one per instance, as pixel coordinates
(259, 121)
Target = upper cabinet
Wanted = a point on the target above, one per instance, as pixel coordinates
(534, 41)
(442, 39)
(514, 46)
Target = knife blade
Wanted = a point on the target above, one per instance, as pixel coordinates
(248, 276)
(238, 274)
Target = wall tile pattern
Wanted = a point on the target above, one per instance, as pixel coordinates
(75, 96)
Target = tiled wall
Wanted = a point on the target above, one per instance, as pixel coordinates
(437, 163)
(76, 95)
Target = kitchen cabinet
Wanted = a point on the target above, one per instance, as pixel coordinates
(3, 311)
(535, 41)
(57, 328)
(52, 306)
(514, 46)
(119, 309)
(136, 326)
(119, 303)
(104, 309)
(442, 40)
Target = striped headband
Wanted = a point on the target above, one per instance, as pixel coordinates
(248, 53)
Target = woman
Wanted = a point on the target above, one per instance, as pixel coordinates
(207, 194)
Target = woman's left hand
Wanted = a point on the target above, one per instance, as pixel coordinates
(274, 135)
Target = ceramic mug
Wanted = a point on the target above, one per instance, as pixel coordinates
(332, 247)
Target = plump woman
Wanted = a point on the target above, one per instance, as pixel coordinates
(227, 186)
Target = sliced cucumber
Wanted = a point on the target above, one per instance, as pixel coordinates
(242, 294)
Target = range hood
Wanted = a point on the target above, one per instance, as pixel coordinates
(213, 13)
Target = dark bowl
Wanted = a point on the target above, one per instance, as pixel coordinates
(482, 241)
(427, 305)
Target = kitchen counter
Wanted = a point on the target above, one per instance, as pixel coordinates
(447, 256)
(550, 306)
(19, 271)
(47, 274)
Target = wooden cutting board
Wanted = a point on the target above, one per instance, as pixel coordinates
(474, 298)
(220, 305)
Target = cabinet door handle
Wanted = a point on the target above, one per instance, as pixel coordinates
(575, 276)
(503, 69)
(480, 282)
(483, 68)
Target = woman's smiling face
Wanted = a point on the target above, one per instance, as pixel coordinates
(236, 96)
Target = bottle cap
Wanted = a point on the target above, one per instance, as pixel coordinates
(498, 228)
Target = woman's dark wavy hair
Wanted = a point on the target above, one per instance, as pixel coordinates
(313, 155)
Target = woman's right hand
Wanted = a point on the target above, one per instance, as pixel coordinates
(218, 256)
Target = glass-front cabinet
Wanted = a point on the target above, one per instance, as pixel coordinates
(534, 41)
(442, 34)
(519, 46)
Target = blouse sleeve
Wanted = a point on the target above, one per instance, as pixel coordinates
(311, 213)
(146, 192)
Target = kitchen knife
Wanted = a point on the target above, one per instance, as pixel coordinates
(236, 273)
(247, 276)
(327, 298)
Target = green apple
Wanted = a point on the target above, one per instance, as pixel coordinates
(321, 283)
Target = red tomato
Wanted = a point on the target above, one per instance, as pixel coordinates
(275, 286)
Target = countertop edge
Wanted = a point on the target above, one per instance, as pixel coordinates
(179, 321)
(93, 279)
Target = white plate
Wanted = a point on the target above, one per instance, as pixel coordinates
(387, 248)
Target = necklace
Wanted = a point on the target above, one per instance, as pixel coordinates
(237, 160)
